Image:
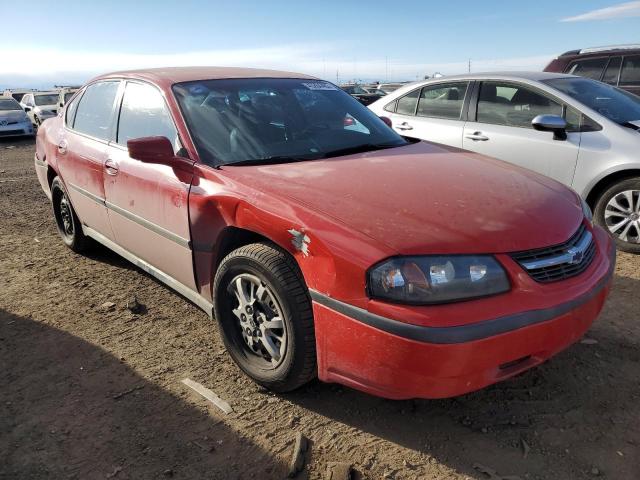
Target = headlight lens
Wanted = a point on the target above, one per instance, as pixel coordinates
(587, 211)
(437, 279)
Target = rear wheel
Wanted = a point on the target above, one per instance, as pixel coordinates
(36, 120)
(264, 311)
(67, 221)
(618, 211)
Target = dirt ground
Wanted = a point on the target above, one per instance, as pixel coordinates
(90, 393)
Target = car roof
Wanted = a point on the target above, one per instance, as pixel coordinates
(172, 75)
(506, 75)
(609, 49)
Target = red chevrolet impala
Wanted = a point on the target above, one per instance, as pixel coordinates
(324, 243)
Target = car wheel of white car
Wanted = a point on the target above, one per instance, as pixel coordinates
(618, 212)
(264, 311)
(36, 120)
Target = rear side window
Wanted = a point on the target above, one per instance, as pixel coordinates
(513, 105)
(144, 114)
(407, 104)
(589, 68)
(442, 101)
(612, 71)
(95, 110)
(630, 74)
(390, 107)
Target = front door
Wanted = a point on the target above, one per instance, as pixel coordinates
(502, 129)
(148, 203)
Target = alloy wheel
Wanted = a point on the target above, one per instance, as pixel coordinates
(622, 216)
(260, 319)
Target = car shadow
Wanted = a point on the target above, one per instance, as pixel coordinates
(69, 409)
(554, 421)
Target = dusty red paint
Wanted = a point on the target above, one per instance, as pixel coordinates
(356, 210)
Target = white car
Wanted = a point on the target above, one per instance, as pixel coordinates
(581, 132)
(40, 106)
(13, 120)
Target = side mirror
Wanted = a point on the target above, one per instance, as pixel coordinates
(387, 121)
(551, 123)
(27, 109)
(157, 150)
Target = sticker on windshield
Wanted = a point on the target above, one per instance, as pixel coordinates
(319, 86)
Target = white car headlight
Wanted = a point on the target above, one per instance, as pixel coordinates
(587, 211)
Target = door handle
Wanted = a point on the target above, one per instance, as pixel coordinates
(477, 137)
(111, 167)
(62, 147)
(404, 126)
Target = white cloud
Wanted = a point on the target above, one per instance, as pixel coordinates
(628, 9)
(37, 67)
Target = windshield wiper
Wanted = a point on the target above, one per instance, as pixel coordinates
(365, 147)
(274, 159)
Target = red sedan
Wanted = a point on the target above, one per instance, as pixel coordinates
(324, 243)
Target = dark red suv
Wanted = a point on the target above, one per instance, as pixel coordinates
(616, 65)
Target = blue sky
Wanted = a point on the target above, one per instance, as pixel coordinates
(70, 41)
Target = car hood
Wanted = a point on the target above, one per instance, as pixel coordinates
(12, 115)
(427, 198)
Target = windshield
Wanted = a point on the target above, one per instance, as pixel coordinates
(610, 102)
(9, 104)
(46, 99)
(265, 119)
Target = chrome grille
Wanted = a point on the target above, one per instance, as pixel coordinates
(562, 261)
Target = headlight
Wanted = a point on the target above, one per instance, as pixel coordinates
(436, 279)
(587, 211)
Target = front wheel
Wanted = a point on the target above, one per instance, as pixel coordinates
(618, 211)
(67, 221)
(264, 311)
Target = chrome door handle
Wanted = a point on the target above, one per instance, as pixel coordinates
(477, 137)
(111, 167)
(62, 147)
(404, 126)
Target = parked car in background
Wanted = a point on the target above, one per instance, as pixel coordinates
(16, 94)
(360, 94)
(583, 133)
(65, 94)
(401, 268)
(13, 119)
(616, 65)
(374, 89)
(40, 106)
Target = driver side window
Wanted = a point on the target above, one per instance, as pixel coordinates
(513, 105)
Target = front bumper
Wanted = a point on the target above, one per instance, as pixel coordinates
(395, 359)
(16, 129)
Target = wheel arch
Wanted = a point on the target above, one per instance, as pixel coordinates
(605, 182)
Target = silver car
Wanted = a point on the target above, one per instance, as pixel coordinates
(40, 106)
(13, 120)
(581, 132)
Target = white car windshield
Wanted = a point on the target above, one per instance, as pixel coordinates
(9, 104)
(46, 99)
(269, 120)
(610, 102)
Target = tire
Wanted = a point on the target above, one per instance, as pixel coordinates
(36, 121)
(280, 359)
(619, 202)
(69, 226)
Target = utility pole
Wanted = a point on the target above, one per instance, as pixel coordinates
(386, 69)
(469, 67)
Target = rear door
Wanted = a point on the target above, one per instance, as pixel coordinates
(499, 126)
(433, 113)
(82, 152)
(147, 203)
